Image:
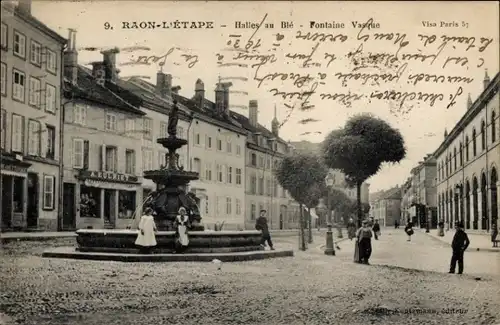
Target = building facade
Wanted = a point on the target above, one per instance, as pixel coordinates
(468, 160)
(30, 120)
(386, 208)
(102, 172)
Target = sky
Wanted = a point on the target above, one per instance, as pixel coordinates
(282, 51)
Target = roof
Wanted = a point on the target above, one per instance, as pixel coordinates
(245, 122)
(110, 95)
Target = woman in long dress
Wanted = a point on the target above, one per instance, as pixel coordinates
(146, 238)
(363, 248)
(351, 229)
(181, 224)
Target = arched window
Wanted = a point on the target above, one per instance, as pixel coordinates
(461, 154)
(474, 147)
(483, 135)
(455, 157)
(466, 148)
(493, 127)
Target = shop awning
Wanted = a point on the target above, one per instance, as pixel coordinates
(111, 186)
(13, 165)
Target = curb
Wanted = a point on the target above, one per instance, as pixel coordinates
(469, 249)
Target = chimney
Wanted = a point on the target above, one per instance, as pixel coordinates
(253, 110)
(486, 80)
(24, 6)
(109, 60)
(176, 89)
(275, 125)
(163, 84)
(99, 72)
(225, 108)
(71, 58)
(199, 93)
(445, 133)
(219, 98)
(469, 102)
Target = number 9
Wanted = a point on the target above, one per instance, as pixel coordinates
(107, 25)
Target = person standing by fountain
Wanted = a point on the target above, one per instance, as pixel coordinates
(181, 224)
(146, 238)
(261, 224)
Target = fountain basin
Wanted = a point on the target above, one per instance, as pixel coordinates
(123, 241)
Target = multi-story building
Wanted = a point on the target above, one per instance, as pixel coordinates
(468, 160)
(102, 184)
(423, 201)
(30, 120)
(406, 200)
(386, 208)
(264, 151)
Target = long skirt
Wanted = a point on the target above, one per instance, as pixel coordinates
(365, 249)
(357, 258)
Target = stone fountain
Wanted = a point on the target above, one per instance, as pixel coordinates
(171, 194)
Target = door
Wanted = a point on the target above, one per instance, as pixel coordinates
(6, 202)
(69, 215)
(32, 211)
(109, 208)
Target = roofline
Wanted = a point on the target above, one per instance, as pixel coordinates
(30, 19)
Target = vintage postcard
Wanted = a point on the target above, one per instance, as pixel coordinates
(250, 162)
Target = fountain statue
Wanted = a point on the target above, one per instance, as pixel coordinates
(172, 181)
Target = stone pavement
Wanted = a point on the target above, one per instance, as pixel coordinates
(478, 242)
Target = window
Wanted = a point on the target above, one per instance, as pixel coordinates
(3, 127)
(229, 176)
(238, 176)
(48, 192)
(208, 142)
(163, 130)
(229, 146)
(51, 142)
(162, 159)
(461, 153)
(208, 171)
(180, 161)
(455, 157)
(34, 138)
(129, 162)
(219, 144)
(111, 159)
(148, 128)
(180, 132)
(34, 97)
(253, 211)
(110, 122)
(474, 147)
(466, 148)
(483, 135)
(217, 203)
(238, 206)
(261, 161)
(51, 59)
(268, 187)
(268, 163)
(147, 160)
(36, 53)
(493, 126)
(253, 184)
(197, 139)
(19, 44)
(238, 150)
(253, 159)
(129, 125)
(17, 133)
(78, 149)
(261, 185)
(219, 173)
(4, 79)
(197, 165)
(18, 84)
(80, 114)
(4, 36)
(229, 204)
(50, 98)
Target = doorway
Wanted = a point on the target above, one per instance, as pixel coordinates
(109, 208)
(32, 210)
(6, 217)
(69, 215)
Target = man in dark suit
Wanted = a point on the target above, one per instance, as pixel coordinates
(261, 224)
(459, 245)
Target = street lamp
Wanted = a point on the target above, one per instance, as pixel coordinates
(329, 250)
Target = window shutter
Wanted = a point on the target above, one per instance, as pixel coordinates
(86, 154)
(103, 157)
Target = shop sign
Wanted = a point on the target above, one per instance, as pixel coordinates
(15, 168)
(108, 176)
(112, 186)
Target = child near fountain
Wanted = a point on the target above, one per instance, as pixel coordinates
(146, 238)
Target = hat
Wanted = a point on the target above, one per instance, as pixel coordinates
(182, 209)
(365, 222)
(460, 224)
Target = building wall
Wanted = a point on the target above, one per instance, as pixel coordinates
(221, 200)
(483, 162)
(33, 106)
(92, 129)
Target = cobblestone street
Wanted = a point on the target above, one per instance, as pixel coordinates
(310, 288)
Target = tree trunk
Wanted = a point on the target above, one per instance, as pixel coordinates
(360, 212)
(309, 224)
(301, 230)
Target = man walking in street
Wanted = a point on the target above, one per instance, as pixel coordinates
(261, 224)
(376, 229)
(459, 245)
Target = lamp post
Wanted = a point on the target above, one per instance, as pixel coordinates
(329, 249)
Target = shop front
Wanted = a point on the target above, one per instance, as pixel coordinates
(106, 199)
(14, 189)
